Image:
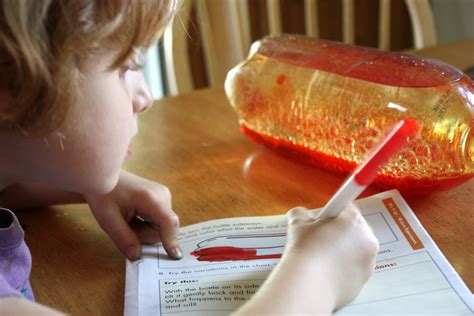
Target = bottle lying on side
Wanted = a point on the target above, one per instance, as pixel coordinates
(328, 103)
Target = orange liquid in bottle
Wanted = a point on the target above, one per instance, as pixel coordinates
(329, 103)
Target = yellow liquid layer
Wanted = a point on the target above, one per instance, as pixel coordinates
(344, 117)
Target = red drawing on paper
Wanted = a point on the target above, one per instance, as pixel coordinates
(240, 247)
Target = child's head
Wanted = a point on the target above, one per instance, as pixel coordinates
(69, 73)
(44, 42)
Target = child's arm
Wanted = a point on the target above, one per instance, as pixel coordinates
(19, 306)
(324, 266)
(30, 195)
(116, 211)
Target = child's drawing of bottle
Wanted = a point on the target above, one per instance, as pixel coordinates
(329, 103)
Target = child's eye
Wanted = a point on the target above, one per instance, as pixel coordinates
(134, 62)
(131, 66)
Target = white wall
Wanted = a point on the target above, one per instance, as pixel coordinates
(454, 19)
(153, 73)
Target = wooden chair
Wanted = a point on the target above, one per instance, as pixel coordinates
(224, 29)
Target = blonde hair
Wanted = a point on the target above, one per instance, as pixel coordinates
(43, 42)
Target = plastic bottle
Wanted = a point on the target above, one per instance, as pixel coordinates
(329, 103)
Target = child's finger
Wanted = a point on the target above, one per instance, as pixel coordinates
(350, 213)
(169, 237)
(299, 214)
(120, 232)
(166, 222)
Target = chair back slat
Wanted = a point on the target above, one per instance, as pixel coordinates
(244, 28)
(274, 16)
(311, 18)
(384, 24)
(348, 19)
(175, 48)
(422, 20)
(221, 33)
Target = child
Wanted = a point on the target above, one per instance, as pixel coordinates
(71, 87)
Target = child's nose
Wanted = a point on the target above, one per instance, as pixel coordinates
(142, 99)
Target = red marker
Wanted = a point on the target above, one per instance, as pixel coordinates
(366, 171)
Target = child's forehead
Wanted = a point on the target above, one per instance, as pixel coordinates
(107, 58)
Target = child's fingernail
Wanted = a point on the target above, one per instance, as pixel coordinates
(133, 253)
(176, 253)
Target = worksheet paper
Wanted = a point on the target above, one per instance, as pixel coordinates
(225, 261)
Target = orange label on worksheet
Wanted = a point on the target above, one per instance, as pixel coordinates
(403, 224)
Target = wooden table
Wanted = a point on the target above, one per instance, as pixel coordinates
(192, 144)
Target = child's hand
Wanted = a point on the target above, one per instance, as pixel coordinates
(345, 247)
(117, 212)
(324, 266)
